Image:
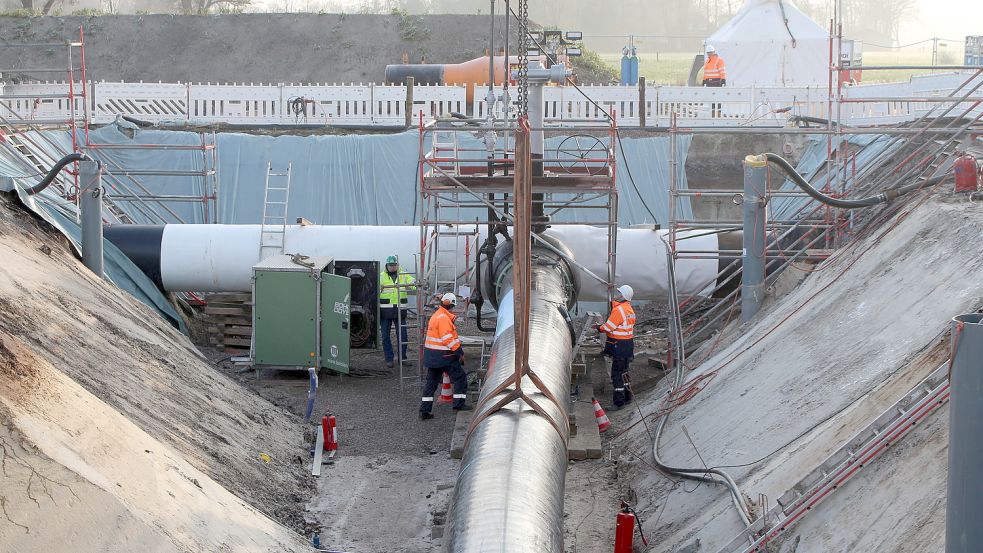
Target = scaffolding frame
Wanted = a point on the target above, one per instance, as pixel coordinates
(453, 179)
(126, 197)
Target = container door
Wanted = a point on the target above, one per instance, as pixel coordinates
(336, 294)
(284, 318)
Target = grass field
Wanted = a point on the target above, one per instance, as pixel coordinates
(673, 67)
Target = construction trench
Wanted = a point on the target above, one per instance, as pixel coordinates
(807, 343)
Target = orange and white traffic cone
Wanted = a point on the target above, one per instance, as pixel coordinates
(446, 393)
(602, 420)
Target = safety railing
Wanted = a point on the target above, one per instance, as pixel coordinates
(385, 105)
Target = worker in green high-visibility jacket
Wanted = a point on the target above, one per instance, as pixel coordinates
(394, 283)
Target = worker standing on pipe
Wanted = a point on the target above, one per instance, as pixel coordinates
(394, 283)
(620, 345)
(443, 353)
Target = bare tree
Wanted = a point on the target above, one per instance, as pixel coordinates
(203, 7)
(45, 8)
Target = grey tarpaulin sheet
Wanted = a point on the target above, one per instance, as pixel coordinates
(866, 148)
(366, 179)
(61, 215)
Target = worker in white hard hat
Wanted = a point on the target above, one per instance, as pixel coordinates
(442, 353)
(714, 72)
(620, 344)
(714, 75)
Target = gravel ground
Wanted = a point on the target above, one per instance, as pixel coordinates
(374, 415)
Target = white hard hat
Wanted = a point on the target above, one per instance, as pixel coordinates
(710, 49)
(626, 292)
(449, 297)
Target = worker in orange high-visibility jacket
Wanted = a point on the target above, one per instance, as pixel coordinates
(714, 72)
(442, 353)
(620, 344)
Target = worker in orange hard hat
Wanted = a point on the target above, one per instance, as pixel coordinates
(443, 353)
(620, 344)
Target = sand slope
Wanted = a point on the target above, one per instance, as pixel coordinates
(856, 337)
(79, 476)
(113, 380)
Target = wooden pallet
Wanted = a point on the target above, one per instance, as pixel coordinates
(230, 318)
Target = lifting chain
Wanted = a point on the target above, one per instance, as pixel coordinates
(523, 80)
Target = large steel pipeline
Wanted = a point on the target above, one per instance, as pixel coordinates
(509, 492)
(219, 258)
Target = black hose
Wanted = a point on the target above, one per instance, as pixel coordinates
(137, 122)
(881, 198)
(50, 177)
(477, 299)
(810, 119)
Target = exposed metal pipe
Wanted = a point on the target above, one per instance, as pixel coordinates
(964, 504)
(219, 258)
(753, 274)
(90, 208)
(509, 492)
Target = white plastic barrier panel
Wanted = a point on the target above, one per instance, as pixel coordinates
(236, 104)
(42, 102)
(389, 105)
(154, 102)
(384, 105)
(438, 101)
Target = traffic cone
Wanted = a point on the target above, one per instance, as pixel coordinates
(446, 393)
(602, 420)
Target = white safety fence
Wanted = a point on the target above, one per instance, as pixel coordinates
(384, 105)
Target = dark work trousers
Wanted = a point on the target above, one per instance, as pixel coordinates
(435, 376)
(621, 352)
(387, 318)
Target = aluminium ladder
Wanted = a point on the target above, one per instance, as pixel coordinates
(273, 230)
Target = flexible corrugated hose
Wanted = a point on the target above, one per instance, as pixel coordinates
(884, 197)
(50, 177)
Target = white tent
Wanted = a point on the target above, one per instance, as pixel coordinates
(772, 43)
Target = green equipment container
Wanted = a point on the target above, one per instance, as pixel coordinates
(301, 313)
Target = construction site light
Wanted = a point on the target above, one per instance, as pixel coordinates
(574, 52)
(574, 35)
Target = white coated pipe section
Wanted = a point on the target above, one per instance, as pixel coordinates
(219, 258)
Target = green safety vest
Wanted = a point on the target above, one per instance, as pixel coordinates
(389, 294)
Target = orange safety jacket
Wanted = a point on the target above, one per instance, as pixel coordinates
(621, 322)
(441, 332)
(714, 68)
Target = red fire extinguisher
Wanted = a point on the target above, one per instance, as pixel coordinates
(624, 530)
(967, 174)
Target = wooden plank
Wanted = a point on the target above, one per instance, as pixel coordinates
(231, 320)
(209, 310)
(238, 330)
(318, 452)
(229, 297)
(586, 444)
(232, 341)
(460, 432)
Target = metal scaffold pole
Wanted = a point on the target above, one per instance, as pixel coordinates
(753, 275)
(964, 506)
